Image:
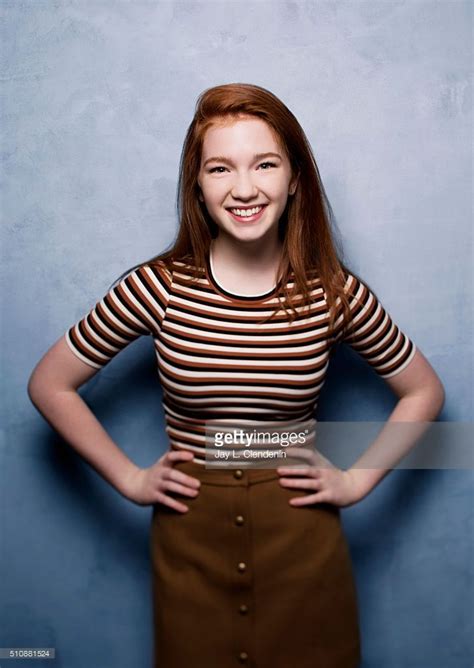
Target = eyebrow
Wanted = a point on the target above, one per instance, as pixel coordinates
(257, 156)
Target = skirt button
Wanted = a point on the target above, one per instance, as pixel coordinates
(239, 519)
(238, 474)
(243, 656)
(243, 609)
(242, 566)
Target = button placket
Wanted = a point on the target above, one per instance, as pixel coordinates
(243, 567)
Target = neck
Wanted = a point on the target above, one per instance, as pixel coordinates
(262, 254)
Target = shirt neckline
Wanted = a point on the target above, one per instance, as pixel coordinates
(233, 295)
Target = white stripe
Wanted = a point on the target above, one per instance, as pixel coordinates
(272, 377)
(312, 347)
(209, 321)
(231, 336)
(362, 344)
(381, 367)
(146, 314)
(79, 354)
(257, 362)
(187, 388)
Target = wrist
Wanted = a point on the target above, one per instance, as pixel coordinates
(129, 482)
(360, 483)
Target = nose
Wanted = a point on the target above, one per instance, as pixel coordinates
(243, 187)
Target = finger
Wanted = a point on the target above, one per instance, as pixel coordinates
(180, 489)
(176, 455)
(171, 503)
(304, 470)
(179, 476)
(300, 483)
(319, 497)
(179, 454)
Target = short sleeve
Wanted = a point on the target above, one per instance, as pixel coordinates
(133, 307)
(372, 333)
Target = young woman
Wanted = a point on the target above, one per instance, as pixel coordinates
(245, 311)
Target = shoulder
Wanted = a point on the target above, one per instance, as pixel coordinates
(147, 281)
(351, 280)
(355, 287)
(152, 271)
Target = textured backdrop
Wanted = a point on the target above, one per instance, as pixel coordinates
(97, 97)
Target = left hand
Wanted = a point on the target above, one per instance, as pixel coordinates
(327, 483)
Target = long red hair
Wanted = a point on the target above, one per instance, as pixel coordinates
(306, 228)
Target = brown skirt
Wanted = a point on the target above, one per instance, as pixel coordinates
(243, 578)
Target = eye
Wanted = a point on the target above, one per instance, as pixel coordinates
(211, 171)
(272, 164)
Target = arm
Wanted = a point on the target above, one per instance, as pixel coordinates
(421, 398)
(373, 335)
(135, 307)
(52, 389)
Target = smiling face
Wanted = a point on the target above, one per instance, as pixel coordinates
(245, 178)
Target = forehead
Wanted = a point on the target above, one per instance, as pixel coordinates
(247, 133)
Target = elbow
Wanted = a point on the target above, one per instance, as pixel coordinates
(437, 397)
(32, 390)
(441, 395)
(430, 396)
(36, 388)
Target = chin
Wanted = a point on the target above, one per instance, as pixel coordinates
(249, 236)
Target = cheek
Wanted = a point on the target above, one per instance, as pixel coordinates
(277, 188)
(211, 202)
(280, 197)
(210, 189)
(212, 193)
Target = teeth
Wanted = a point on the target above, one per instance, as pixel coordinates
(245, 213)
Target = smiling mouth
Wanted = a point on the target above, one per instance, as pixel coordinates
(247, 213)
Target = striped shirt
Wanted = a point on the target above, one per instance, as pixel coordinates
(218, 362)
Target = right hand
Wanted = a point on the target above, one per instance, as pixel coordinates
(148, 486)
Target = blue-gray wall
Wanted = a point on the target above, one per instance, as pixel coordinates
(97, 98)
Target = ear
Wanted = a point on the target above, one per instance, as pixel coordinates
(293, 185)
(200, 196)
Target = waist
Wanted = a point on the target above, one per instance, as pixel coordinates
(227, 475)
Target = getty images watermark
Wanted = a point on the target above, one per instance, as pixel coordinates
(409, 445)
(255, 445)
